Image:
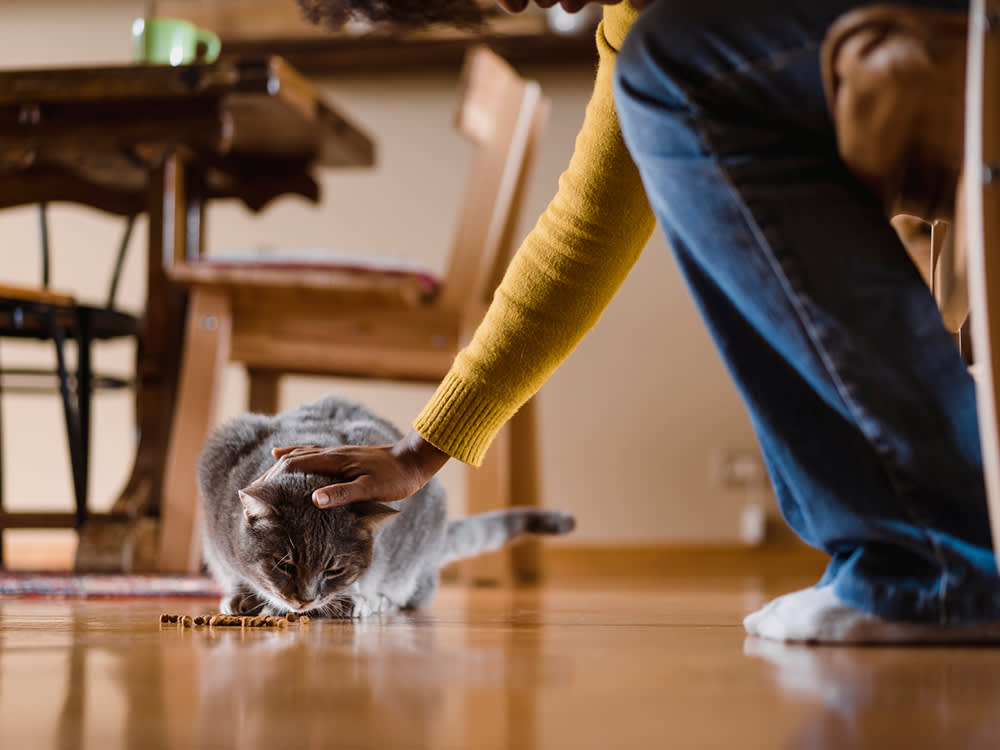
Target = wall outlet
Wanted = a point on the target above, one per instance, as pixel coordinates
(753, 524)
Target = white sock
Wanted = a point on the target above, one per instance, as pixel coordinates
(816, 615)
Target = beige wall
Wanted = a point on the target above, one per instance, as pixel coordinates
(631, 424)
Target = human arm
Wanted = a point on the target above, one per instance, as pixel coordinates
(565, 273)
(563, 276)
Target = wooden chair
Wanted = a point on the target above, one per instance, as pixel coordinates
(41, 313)
(915, 99)
(379, 320)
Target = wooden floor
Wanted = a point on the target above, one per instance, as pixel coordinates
(657, 664)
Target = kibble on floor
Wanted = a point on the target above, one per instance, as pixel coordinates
(233, 621)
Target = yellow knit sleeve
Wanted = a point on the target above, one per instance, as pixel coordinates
(559, 282)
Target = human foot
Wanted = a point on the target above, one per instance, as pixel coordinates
(816, 615)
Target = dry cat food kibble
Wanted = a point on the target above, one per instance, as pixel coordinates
(233, 621)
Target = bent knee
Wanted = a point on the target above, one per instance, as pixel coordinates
(649, 64)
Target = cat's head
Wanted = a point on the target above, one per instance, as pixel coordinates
(299, 556)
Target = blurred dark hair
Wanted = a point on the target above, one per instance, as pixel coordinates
(407, 14)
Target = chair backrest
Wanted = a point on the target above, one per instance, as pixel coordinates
(504, 115)
(43, 217)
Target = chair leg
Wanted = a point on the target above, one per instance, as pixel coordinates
(487, 487)
(264, 391)
(84, 393)
(71, 412)
(205, 353)
(507, 477)
(526, 557)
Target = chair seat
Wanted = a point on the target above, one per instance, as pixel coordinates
(28, 318)
(35, 294)
(386, 280)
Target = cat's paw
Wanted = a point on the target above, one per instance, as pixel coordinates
(241, 603)
(377, 604)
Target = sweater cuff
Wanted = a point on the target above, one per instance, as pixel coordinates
(461, 421)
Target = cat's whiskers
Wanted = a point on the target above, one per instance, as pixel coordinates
(287, 556)
(334, 608)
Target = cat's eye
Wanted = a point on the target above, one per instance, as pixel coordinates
(333, 572)
(286, 567)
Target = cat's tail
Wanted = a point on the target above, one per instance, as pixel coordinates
(485, 532)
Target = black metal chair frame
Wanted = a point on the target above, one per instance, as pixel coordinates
(60, 322)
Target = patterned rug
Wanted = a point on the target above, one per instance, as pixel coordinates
(67, 585)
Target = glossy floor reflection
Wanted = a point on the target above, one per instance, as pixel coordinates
(662, 665)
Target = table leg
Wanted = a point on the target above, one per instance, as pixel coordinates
(176, 209)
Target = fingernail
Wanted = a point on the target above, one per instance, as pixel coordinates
(321, 499)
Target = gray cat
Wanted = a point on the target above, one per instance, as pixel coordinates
(274, 552)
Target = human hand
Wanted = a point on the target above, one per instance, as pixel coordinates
(364, 472)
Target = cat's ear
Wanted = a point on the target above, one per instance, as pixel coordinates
(253, 507)
(372, 513)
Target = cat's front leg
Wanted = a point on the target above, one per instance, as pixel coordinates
(241, 602)
(372, 604)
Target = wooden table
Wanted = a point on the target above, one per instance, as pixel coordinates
(165, 141)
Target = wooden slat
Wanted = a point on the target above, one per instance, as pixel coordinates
(385, 56)
(150, 84)
(37, 185)
(288, 280)
(314, 357)
(206, 352)
(982, 205)
(498, 111)
(36, 294)
(315, 334)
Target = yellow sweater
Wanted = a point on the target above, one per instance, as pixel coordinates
(559, 282)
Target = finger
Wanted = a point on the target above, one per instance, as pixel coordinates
(281, 466)
(261, 478)
(275, 468)
(319, 463)
(282, 451)
(343, 493)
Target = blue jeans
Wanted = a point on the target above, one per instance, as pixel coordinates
(864, 410)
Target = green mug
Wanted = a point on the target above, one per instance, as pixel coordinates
(172, 41)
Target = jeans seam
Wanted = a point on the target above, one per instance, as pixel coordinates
(764, 63)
